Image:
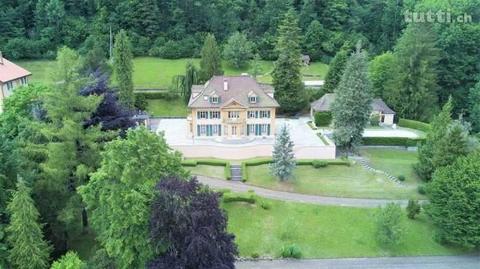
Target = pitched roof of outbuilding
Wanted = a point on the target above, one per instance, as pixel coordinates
(10, 71)
(325, 103)
(238, 89)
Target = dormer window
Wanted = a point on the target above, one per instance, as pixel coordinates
(214, 99)
(252, 99)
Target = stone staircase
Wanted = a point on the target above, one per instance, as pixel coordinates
(236, 172)
(365, 164)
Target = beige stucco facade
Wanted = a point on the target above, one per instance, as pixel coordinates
(233, 122)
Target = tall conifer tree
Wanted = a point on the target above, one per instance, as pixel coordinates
(28, 247)
(211, 62)
(287, 79)
(123, 68)
(283, 157)
(352, 106)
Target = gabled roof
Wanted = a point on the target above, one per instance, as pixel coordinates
(10, 71)
(238, 89)
(325, 104)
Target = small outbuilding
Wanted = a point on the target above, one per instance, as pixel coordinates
(385, 113)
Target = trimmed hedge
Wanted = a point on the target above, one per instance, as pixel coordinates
(413, 124)
(190, 163)
(167, 95)
(230, 197)
(323, 118)
(228, 171)
(314, 163)
(392, 141)
(212, 162)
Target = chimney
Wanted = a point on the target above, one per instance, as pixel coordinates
(225, 84)
(1, 58)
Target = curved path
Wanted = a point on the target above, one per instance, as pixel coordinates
(295, 197)
(432, 262)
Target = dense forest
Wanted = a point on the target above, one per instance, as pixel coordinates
(449, 52)
(176, 28)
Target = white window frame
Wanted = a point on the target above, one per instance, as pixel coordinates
(214, 115)
(202, 115)
(233, 114)
(264, 114)
(203, 130)
(214, 99)
(252, 99)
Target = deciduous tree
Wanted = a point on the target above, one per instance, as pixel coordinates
(69, 261)
(474, 107)
(238, 50)
(120, 192)
(187, 220)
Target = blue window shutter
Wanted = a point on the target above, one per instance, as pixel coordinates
(198, 130)
(268, 129)
(219, 129)
(248, 129)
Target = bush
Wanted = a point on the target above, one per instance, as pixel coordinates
(231, 197)
(413, 124)
(265, 204)
(422, 189)
(319, 164)
(255, 255)
(166, 95)
(375, 120)
(257, 162)
(401, 177)
(141, 102)
(291, 251)
(323, 118)
(244, 172)
(228, 171)
(389, 225)
(413, 209)
(392, 141)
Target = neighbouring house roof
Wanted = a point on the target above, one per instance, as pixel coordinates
(10, 71)
(325, 103)
(232, 88)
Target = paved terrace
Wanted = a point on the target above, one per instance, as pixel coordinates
(175, 131)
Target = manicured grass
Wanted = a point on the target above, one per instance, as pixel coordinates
(334, 180)
(323, 231)
(152, 72)
(40, 69)
(162, 107)
(394, 161)
(208, 170)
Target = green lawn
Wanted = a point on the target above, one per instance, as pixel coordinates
(162, 107)
(40, 69)
(207, 170)
(152, 72)
(323, 231)
(334, 180)
(394, 161)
